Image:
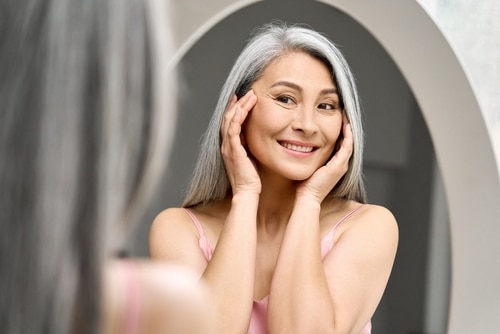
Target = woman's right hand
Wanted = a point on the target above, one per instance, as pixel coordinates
(240, 168)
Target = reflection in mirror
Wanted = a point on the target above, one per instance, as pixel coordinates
(399, 160)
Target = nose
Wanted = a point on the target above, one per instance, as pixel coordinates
(305, 121)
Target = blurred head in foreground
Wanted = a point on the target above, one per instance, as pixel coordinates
(85, 128)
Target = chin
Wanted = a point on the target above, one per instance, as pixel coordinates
(298, 176)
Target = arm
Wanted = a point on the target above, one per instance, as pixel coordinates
(359, 268)
(299, 285)
(339, 294)
(230, 273)
(140, 296)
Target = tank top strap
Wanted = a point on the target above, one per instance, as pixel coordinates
(343, 219)
(197, 224)
(133, 298)
(205, 245)
(327, 240)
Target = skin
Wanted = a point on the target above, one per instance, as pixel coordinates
(162, 297)
(267, 235)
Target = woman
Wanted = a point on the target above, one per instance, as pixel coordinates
(275, 220)
(83, 137)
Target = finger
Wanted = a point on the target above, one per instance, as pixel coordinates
(344, 153)
(240, 114)
(348, 140)
(234, 128)
(228, 114)
(240, 111)
(246, 103)
(233, 101)
(232, 140)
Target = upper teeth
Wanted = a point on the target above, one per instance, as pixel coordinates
(297, 148)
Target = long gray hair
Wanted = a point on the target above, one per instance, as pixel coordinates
(82, 139)
(210, 181)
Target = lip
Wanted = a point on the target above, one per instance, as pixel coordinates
(298, 148)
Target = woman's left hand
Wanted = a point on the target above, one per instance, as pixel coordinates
(326, 177)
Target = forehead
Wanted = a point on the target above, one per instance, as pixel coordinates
(298, 55)
(299, 65)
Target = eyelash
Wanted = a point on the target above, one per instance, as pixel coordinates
(281, 99)
(330, 106)
(285, 99)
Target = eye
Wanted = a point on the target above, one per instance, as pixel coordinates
(327, 106)
(285, 99)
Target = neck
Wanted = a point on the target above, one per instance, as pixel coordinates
(275, 205)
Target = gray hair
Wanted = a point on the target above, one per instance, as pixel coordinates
(271, 41)
(80, 146)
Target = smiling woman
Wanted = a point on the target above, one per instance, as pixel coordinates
(295, 123)
(275, 220)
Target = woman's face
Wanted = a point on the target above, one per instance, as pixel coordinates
(293, 127)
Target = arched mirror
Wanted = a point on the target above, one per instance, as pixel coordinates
(413, 163)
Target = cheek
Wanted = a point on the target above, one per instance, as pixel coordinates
(335, 138)
(250, 131)
(261, 120)
(261, 125)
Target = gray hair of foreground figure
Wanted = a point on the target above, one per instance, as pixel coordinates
(210, 181)
(82, 139)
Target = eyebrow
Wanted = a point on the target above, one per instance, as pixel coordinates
(292, 85)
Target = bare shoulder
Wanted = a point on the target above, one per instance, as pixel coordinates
(365, 244)
(360, 262)
(356, 216)
(170, 223)
(173, 237)
(376, 217)
(171, 218)
(374, 225)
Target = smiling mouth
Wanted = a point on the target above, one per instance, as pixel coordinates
(297, 148)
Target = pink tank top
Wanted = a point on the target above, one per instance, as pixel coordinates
(258, 321)
(133, 298)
